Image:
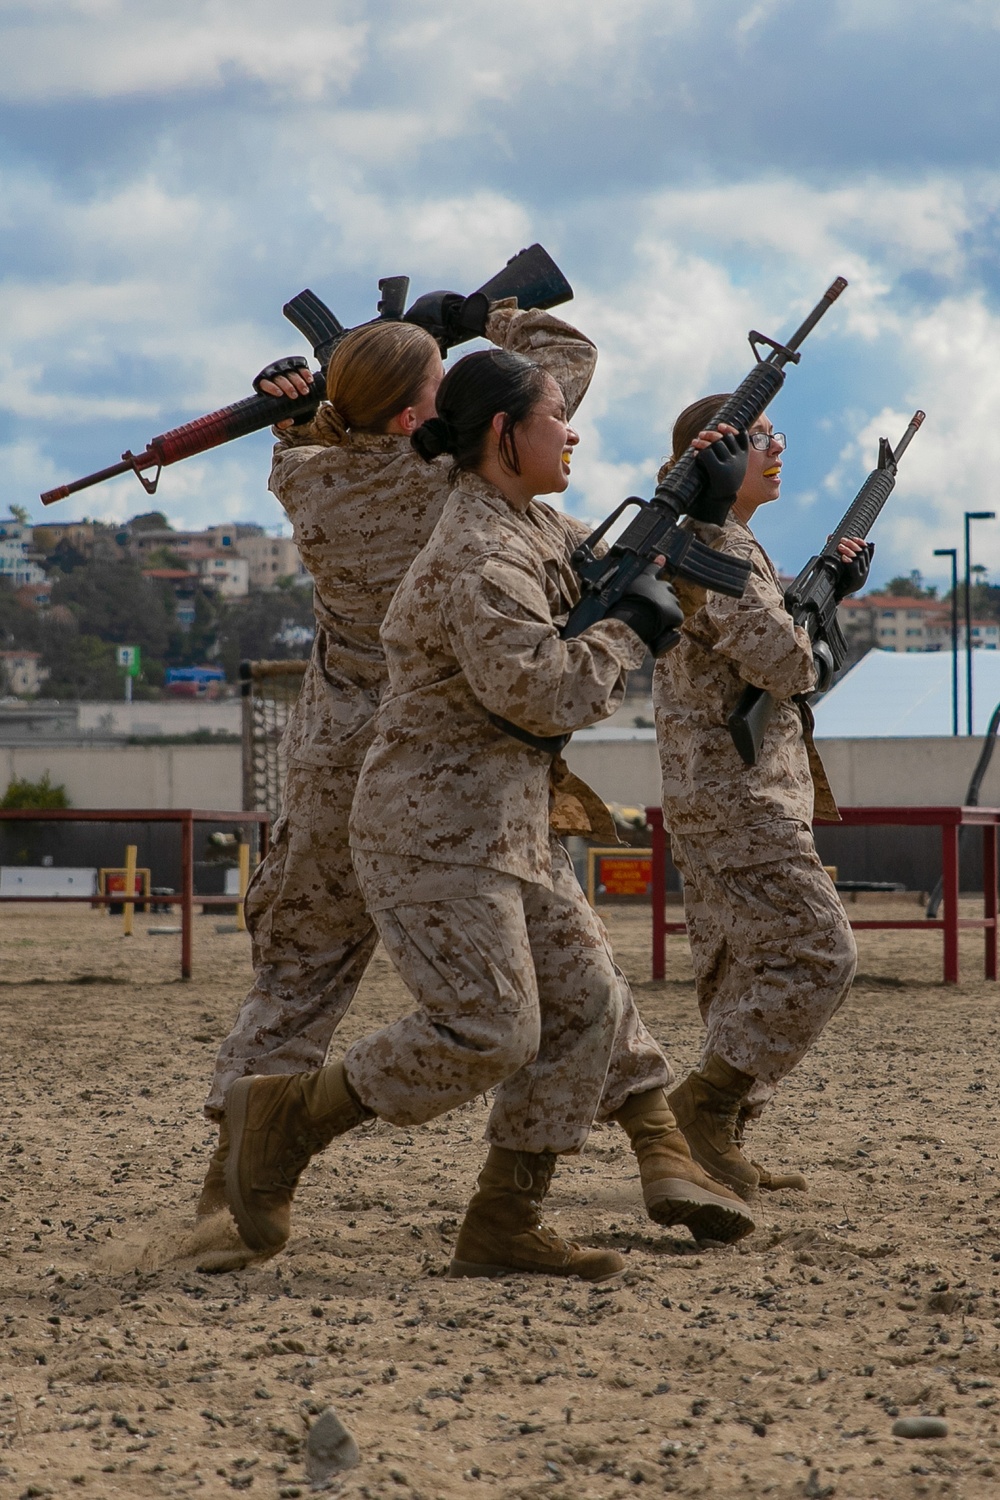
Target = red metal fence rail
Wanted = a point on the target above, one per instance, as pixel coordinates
(185, 817)
(948, 819)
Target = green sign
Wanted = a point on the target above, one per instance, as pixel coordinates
(128, 659)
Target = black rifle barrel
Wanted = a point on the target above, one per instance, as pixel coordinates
(828, 298)
(654, 530)
(867, 504)
(681, 486)
(812, 600)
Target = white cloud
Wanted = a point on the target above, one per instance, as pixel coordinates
(124, 47)
(460, 51)
(954, 370)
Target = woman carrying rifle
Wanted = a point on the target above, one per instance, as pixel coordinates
(362, 504)
(772, 949)
(515, 984)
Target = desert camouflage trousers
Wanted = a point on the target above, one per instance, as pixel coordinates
(312, 940)
(516, 991)
(311, 937)
(771, 945)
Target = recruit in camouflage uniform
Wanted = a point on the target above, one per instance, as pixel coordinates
(470, 804)
(772, 949)
(516, 986)
(361, 510)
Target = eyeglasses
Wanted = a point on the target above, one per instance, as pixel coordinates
(764, 440)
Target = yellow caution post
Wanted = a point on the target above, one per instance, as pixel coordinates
(130, 859)
(243, 855)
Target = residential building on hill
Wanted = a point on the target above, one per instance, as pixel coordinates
(890, 622)
(271, 558)
(21, 673)
(15, 547)
(226, 572)
(79, 535)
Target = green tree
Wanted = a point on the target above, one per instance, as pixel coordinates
(200, 642)
(20, 628)
(22, 793)
(79, 666)
(150, 520)
(110, 599)
(911, 587)
(262, 627)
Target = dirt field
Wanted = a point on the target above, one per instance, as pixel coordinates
(773, 1368)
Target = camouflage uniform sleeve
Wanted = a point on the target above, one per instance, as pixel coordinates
(568, 355)
(757, 634)
(295, 445)
(501, 630)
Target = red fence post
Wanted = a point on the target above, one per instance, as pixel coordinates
(187, 891)
(949, 886)
(654, 817)
(990, 898)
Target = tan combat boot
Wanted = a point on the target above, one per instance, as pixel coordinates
(502, 1231)
(213, 1189)
(707, 1106)
(769, 1182)
(275, 1126)
(675, 1189)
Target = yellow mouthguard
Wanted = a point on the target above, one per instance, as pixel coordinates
(770, 473)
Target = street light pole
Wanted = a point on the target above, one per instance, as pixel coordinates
(952, 552)
(970, 515)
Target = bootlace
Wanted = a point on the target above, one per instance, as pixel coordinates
(299, 1151)
(554, 1242)
(533, 1173)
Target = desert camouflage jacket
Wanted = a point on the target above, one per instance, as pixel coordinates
(361, 511)
(726, 643)
(473, 631)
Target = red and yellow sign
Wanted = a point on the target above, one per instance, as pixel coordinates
(619, 872)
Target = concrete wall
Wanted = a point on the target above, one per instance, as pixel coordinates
(622, 766)
(165, 717)
(206, 776)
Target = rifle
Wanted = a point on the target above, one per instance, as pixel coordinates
(531, 276)
(655, 531)
(812, 599)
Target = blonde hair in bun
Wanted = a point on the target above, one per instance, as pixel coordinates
(374, 373)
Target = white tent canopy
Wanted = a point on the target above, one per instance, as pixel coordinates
(892, 694)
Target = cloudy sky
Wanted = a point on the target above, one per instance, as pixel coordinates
(173, 172)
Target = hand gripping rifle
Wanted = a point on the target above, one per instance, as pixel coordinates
(813, 598)
(531, 276)
(655, 532)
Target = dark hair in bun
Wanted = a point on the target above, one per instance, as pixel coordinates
(433, 438)
(470, 396)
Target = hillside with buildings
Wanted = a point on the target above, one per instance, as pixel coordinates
(72, 593)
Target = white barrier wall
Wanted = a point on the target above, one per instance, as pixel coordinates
(622, 766)
(206, 776)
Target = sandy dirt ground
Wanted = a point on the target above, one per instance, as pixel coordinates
(775, 1367)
